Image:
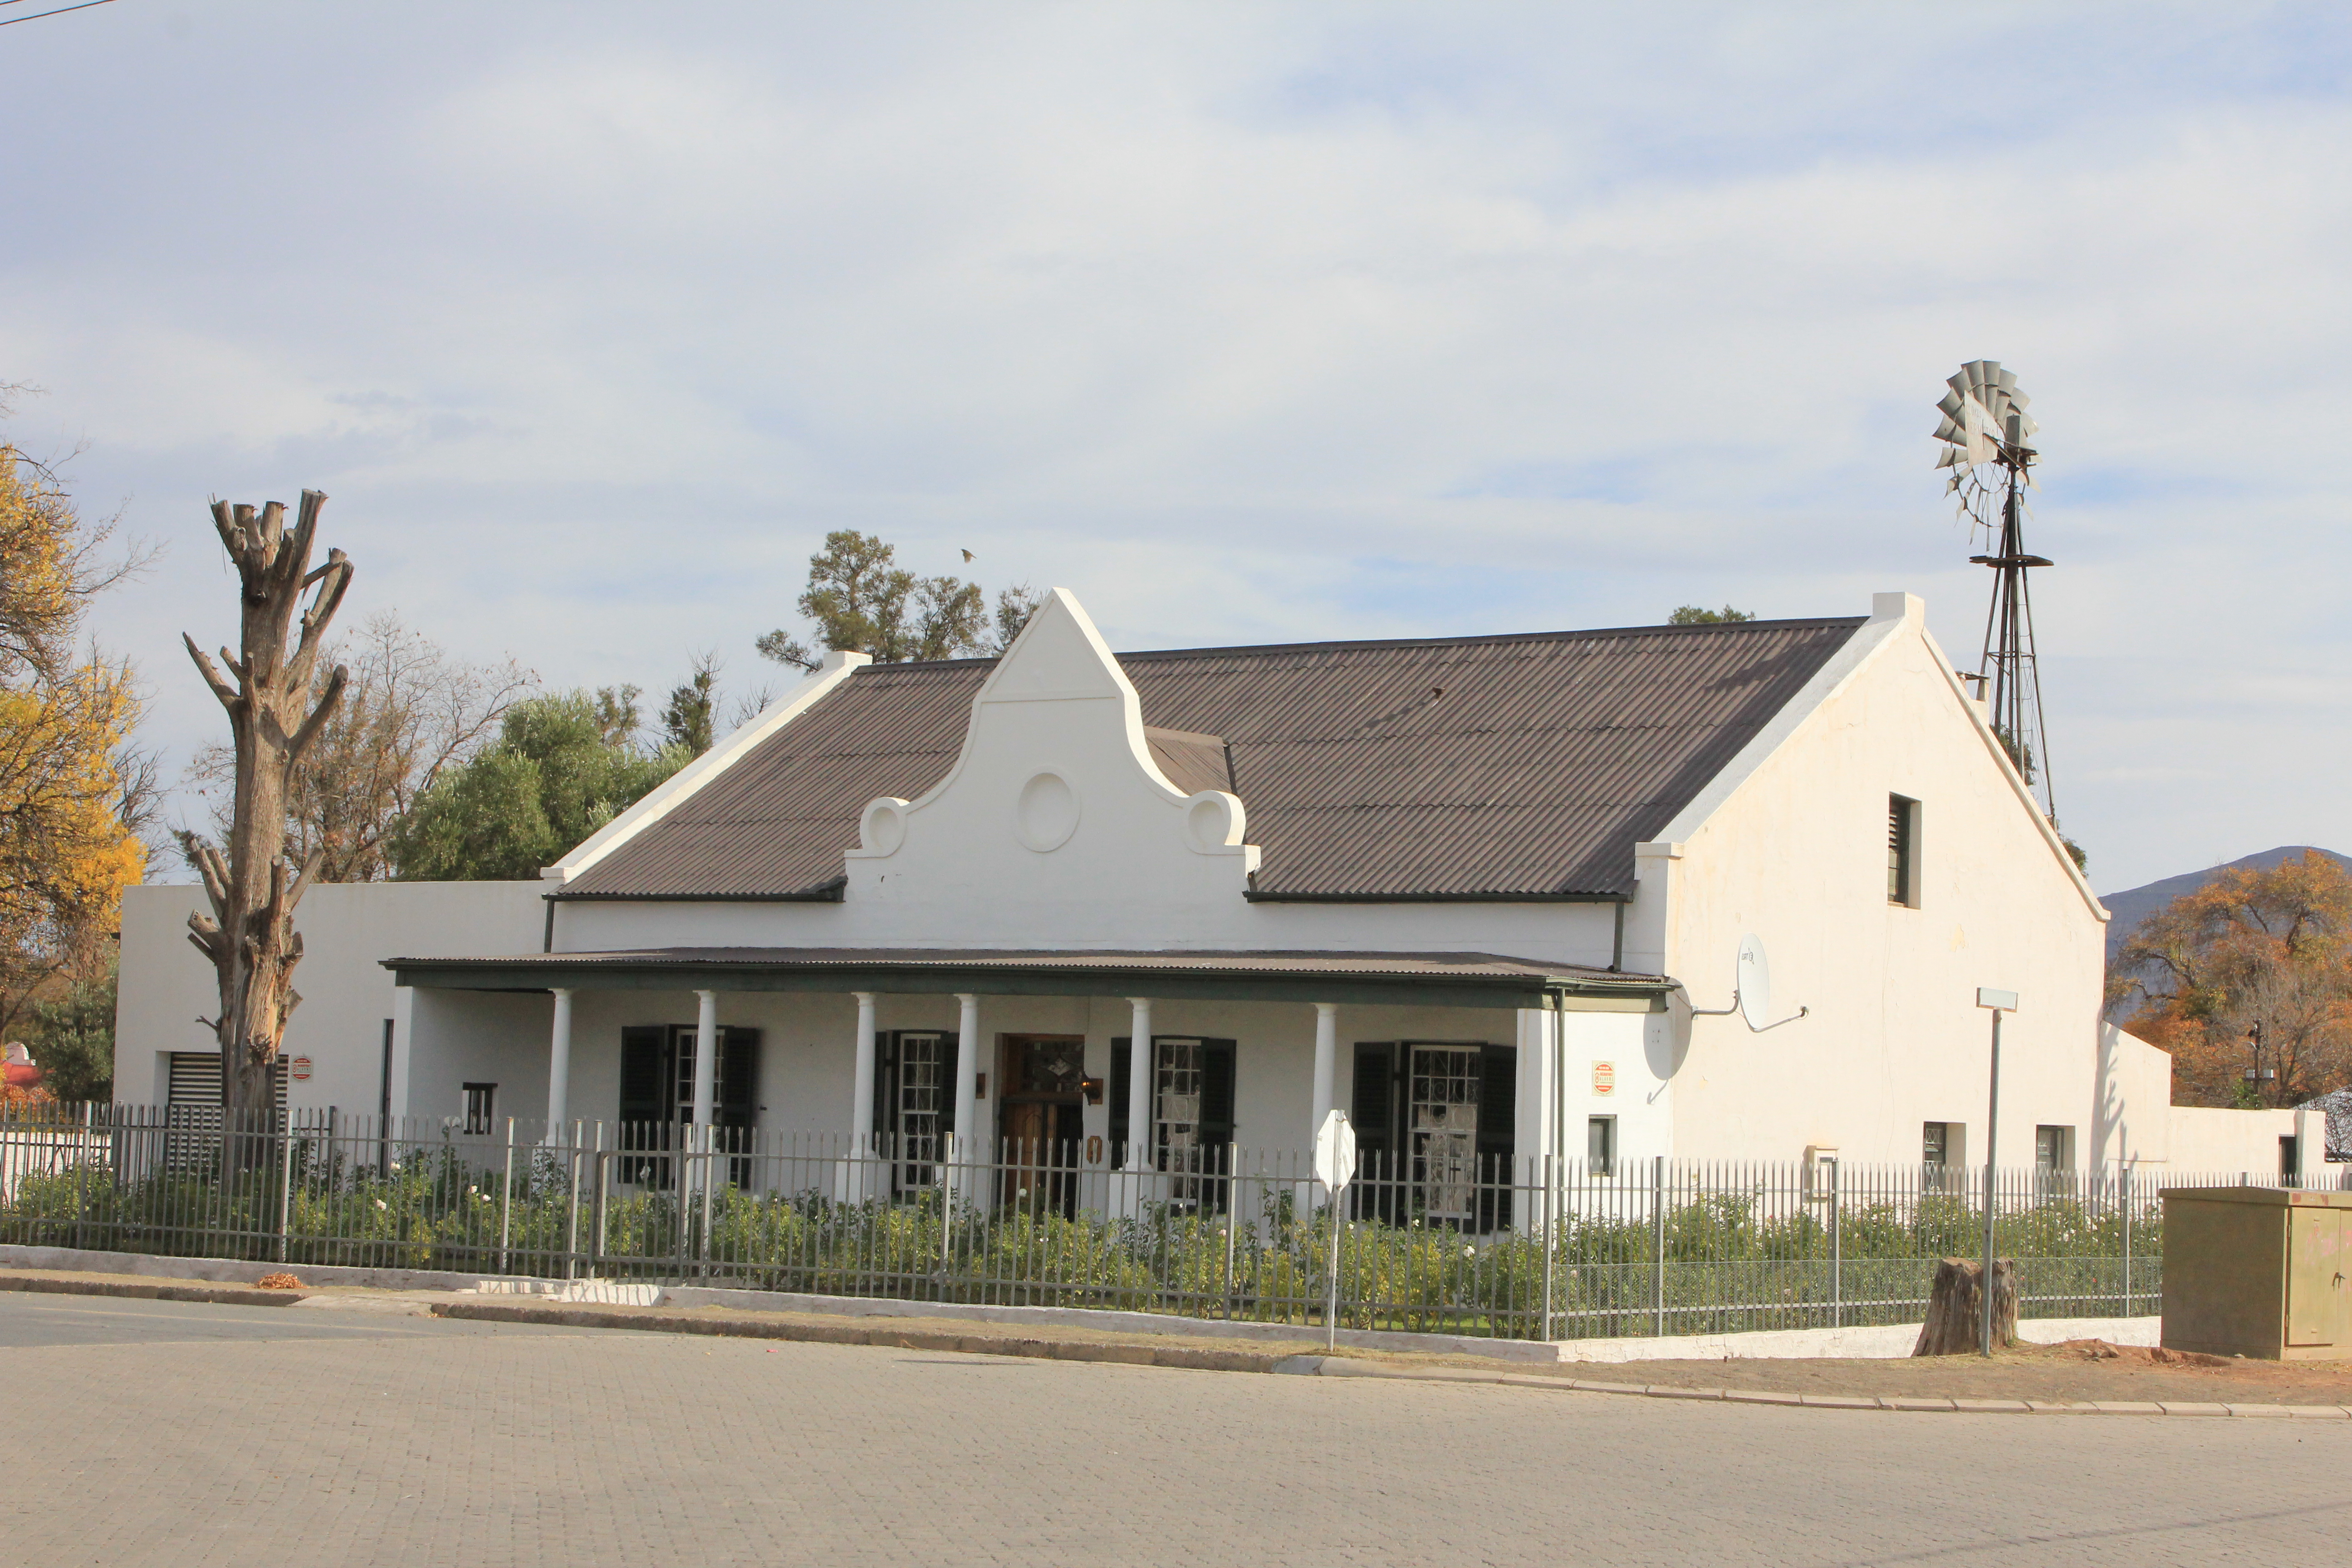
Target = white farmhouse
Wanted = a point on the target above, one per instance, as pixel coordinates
(1489, 889)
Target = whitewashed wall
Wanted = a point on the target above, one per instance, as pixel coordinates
(347, 929)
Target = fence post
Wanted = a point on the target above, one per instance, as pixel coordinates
(2128, 1240)
(1233, 1215)
(1837, 1246)
(604, 1203)
(505, 1197)
(1658, 1244)
(286, 1184)
(1551, 1224)
(82, 1183)
(709, 1180)
(946, 1208)
(571, 1212)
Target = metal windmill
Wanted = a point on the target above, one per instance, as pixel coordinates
(1985, 429)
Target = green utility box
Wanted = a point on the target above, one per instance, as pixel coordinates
(2258, 1271)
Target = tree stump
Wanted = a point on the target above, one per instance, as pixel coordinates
(1956, 1311)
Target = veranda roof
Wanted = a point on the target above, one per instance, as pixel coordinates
(1417, 979)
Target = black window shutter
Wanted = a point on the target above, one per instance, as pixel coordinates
(641, 1072)
(1216, 1093)
(885, 1081)
(951, 1086)
(739, 1077)
(1498, 1121)
(1498, 1109)
(1122, 1077)
(1372, 1109)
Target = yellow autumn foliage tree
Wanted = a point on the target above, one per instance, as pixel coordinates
(71, 787)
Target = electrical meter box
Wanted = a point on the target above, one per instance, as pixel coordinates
(2258, 1271)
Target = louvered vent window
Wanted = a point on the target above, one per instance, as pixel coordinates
(1902, 851)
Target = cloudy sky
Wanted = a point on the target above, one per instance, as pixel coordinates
(1244, 323)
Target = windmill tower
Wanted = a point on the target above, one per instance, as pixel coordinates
(1984, 429)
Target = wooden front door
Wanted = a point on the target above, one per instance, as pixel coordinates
(1040, 1119)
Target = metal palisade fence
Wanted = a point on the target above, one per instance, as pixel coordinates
(1435, 1239)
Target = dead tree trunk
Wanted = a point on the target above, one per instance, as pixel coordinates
(249, 937)
(1955, 1324)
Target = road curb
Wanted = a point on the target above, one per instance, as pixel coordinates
(657, 1321)
(218, 1295)
(1311, 1365)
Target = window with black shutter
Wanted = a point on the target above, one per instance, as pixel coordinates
(1498, 1123)
(643, 1116)
(1372, 1109)
(737, 1113)
(1122, 1077)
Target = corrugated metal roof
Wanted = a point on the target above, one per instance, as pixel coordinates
(1522, 766)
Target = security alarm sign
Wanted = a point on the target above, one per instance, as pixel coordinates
(1604, 1078)
(300, 1067)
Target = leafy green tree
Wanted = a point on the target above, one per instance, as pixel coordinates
(72, 1041)
(556, 774)
(861, 600)
(689, 718)
(1693, 616)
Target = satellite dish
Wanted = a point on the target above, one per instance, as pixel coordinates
(1754, 991)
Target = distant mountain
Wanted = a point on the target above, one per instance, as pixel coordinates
(2133, 905)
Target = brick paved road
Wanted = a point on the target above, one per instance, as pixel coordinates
(284, 1442)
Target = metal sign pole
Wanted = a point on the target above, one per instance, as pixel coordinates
(2000, 1002)
(1331, 1304)
(1992, 1135)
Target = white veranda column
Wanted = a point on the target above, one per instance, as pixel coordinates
(861, 1103)
(1138, 1086)
(1326, 1065)
(971, 1139)
(558, 1065)
(706, 1055)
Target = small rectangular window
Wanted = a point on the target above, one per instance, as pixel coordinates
(1601, 1145)
(1902, 851)
(2053, 1148)
(481, 1106)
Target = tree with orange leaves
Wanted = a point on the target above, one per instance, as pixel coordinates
(2248, 983)
(72, 788)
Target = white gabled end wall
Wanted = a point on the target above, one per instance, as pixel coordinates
(1790, 844)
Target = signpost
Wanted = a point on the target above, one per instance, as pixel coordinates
(1997, 1003)
(1335, 1167)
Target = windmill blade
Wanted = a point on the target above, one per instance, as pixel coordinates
(1983, 430)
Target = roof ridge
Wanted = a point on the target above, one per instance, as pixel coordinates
(1467, 639)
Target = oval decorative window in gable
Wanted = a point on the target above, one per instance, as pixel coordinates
(1046, 813)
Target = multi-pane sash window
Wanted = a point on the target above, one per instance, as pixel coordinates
(1936, 1143)
(1442, 1120)
(1178, 1106)
(922, 1074)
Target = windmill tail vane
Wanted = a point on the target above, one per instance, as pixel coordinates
(1986, 435)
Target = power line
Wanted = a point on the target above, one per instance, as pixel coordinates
(60, 11)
